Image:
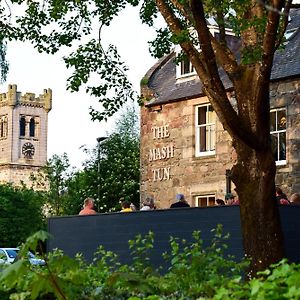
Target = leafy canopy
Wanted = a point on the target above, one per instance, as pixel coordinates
(51, 25)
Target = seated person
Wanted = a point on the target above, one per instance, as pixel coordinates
(148, 204)
(230, 199)
(88, 207)
(180, 202)
(126, 206)
(295, 199)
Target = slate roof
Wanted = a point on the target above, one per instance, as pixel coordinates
(162, 76)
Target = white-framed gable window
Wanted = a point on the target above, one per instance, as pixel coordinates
(205, 130)
(278, 134)
(205, 200)
(184, 68)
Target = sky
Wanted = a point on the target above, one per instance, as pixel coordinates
(69, 122)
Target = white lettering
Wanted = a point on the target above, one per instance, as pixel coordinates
(160, 132)
(161, 153)
(161, 174)
(152, 154)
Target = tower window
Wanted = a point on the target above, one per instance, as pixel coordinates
(32, 127)
(22, 126)
(1, 128)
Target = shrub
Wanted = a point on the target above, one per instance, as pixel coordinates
(194, 272)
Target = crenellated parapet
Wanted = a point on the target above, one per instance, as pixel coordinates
(14, 98)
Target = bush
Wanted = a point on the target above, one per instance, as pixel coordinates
(195, 272)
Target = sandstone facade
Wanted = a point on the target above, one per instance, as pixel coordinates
(171, 133)
(168, 161)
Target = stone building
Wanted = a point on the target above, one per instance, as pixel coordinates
(23, 134)
(184, 148)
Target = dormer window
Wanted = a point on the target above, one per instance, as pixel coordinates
(185, 69)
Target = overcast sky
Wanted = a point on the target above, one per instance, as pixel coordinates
(70, 125)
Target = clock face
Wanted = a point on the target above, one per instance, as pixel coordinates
(28, 150)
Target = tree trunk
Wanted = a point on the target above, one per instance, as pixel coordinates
(254, 177)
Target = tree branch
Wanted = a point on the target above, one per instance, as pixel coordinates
(184, 9)
(285, 14)
(176, 27)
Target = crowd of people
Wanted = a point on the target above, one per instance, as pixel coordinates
(282, 198)
(148, 203)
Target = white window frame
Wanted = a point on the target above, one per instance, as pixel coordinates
(208, 126)
(213, 30)
(278, 132)
(198, 197)
(179, 73)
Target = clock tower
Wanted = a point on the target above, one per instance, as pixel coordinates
(23, 134)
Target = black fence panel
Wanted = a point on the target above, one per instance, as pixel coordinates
(83, 234)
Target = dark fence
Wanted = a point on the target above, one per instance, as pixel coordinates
(83, 234)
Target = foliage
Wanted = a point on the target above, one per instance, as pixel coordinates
(106, 278)
(195, 272)
(4, 66)
(55, 177)
(20, 214)
(111, 171)
(108, 174)
(260, 26)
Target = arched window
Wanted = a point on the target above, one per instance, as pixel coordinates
(22, 126)
(5, 129)
(1, 128)
(32, 127)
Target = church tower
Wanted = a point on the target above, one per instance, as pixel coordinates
(23, 134)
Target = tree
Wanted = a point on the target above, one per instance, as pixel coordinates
(20, 214)
(259, 24)
(111, 172)
(55, 175)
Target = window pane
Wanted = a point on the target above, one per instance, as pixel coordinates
(275, 145)
(281, 119)
(211, 201)
(211, 116)
(31, 127)
(203, 202)
(212, 137)
(22, 126)
(202, 115)
(1, 128)
(202, 138)
(185, 66)
(273, 121)
(282, 146)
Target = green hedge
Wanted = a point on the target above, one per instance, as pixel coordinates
(195, 272)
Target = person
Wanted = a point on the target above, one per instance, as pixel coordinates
(132, 206)
(88, 207)
(126, 206)
(230, 199)
(220, 202)
(295, 199)
(180, 202)
(281, 197)
(148, 203)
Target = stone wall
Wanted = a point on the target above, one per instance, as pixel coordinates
(15, 167)
(19, 175)
(287, 94)
(168, 162)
